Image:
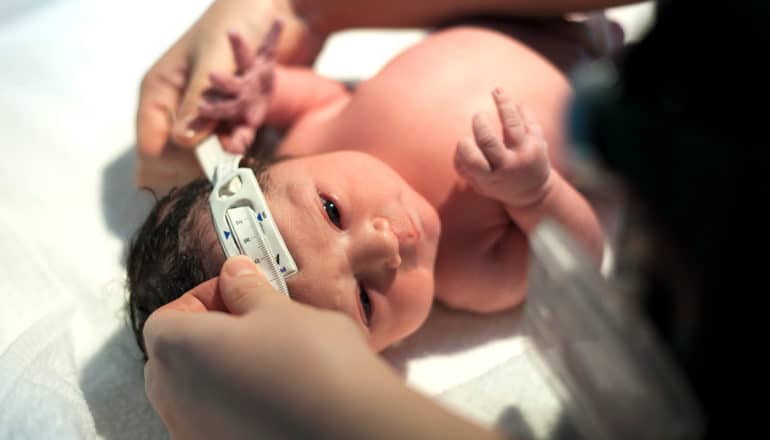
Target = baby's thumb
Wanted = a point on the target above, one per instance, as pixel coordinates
(242, 285)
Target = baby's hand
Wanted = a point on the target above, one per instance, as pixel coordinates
(515, 169)
(240, 101)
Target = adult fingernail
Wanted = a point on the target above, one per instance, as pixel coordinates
(240, 266)
(183, 127)
(189, 126)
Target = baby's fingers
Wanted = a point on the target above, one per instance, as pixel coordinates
(225, 84)
(510, 115)
(469, 160)
(241, 51)
(256, 114)
(238, 139)
(532, 125)
(224, 110)
(270, 43)
(488, 143)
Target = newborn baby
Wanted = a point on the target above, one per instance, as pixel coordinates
(422, 184)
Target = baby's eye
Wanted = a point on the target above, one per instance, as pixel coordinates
(331, 211)
(366, 303)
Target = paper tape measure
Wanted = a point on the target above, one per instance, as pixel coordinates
(241, 217)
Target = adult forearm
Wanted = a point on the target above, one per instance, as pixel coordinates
(275, 368)
(327, 16)
(374, 403)
(298, 44)
(402, 413)
(321, 389)
(307, 23)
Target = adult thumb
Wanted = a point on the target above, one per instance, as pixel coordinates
(243, 286)
(189, 128)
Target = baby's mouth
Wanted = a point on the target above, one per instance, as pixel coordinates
(411, 234)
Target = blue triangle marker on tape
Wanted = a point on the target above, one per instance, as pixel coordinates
(227, 235)
(259, 216)
(283, 269)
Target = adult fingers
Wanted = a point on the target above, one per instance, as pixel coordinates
(243, 286)
(159, 96)
(201, 298)
(189, 127)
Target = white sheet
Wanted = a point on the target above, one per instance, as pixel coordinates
(69, 368)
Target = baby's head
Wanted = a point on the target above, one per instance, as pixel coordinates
(364, 241)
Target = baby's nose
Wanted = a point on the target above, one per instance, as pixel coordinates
(385, 244)
(376, 249)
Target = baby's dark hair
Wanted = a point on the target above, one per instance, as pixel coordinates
(171, 252)
(165, 258)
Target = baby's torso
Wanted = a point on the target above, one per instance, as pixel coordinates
(413, 113)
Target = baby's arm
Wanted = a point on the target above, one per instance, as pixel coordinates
(515, 170)
(261, 92)
(299, 90)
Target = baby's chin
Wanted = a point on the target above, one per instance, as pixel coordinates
(410, 319)
(380, 346)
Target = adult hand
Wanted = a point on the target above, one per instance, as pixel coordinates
(167, 120)
(239, 102)
(252, 370)
(273, 368)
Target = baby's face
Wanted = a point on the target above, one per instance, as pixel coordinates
(364, 240)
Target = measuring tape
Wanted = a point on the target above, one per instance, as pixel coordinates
(241, 217)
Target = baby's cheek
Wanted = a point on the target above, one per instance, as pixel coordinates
(377, 342)
(301, 291)
(316, 290)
